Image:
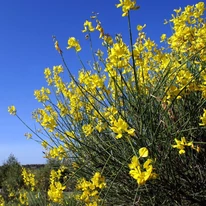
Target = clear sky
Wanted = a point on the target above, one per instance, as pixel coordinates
(26, 48)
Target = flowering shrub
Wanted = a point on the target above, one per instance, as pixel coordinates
(137, 100)
(90, 190)
(29, 178)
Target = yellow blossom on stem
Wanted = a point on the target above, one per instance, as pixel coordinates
(98, 180)
(181, 144)
(47, 73)
(55, 192)
(87, 129)
(139, 27)
(57, 152)
(119, 55)
(44, 144)
(73, 43)
(42, 95)
(163, 37)
(203, 118)
(100, 29)
(127, 5)
(12, 110)
(90, 189)
(177, 10)
(29, 178)
(121, 126)
(197, 148)
(88, 26)
(139, 172)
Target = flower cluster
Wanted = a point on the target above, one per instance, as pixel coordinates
(56, 152)
(88, 26)
(42, 95)
(90, 189)
(29, 178)
(121, 126)
(142, 173)
(182, 144)
(56, 188)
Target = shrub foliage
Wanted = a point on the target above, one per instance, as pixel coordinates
(131, 129)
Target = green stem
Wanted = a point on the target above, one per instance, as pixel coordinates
(131, 47)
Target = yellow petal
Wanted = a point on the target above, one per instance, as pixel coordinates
(182, 151)
(140, 27)
(143, 152)
(131, 131)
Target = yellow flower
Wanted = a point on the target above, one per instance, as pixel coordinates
(147, 164)
(98, 180)
(57, 152)
(131, 131)
(47, 73)
(44, 144)
(88, 26)
(139, 27)
(100, 29)
(121, 126)
(139, 172)
(134, 163)
(119, 55)
(90, 189)
(200, 7)
(163, 37)
(73, 43)
(181, 144)
(29, 178)
(42, 95)
(197, 148)
(55, 192)
(12, 110)
(127, 5)
(87, 129)
(203, 118)
(177, 10)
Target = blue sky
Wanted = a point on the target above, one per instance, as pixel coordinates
(26, 48)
